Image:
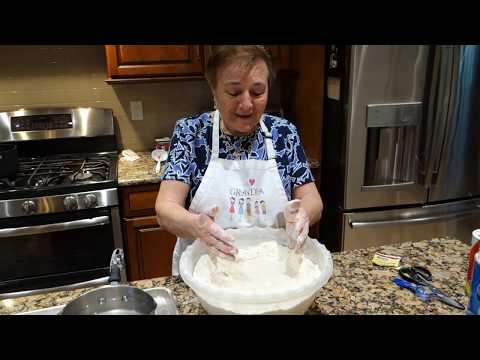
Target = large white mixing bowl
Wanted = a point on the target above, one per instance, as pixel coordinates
(294, 300)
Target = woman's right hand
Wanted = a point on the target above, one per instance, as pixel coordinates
(214, 236)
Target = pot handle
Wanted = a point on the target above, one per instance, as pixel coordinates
(114, 274)
(117, 262)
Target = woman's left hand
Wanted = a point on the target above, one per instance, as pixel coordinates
(296, 224)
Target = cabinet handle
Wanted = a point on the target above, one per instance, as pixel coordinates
(149, 229)
(197, 52)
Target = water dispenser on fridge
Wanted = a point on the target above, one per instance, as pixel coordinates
(392, 143)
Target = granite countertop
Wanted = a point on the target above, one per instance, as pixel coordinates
(138, 172)
(360, 287)
(356, 287)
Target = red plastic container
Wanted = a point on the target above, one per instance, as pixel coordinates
(473, 250)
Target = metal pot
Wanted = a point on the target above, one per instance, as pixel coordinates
(8, 160)
(113, 299)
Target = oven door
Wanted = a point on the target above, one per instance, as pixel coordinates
(48, 251)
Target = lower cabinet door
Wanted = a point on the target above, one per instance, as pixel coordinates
(149, 249)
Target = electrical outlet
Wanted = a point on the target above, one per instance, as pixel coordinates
(136, 109)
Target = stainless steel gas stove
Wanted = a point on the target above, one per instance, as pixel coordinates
(59, 217)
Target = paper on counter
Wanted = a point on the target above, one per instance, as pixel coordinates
(129, 155)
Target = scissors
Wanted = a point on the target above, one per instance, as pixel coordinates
(419, 280)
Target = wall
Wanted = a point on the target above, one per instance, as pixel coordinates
(46, 76)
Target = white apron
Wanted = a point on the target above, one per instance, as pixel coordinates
(248, 192)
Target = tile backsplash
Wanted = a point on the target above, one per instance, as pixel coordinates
(33, 76)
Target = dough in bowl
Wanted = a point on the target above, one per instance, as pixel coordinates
(259, 267)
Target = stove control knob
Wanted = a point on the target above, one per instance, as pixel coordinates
(90, 200)
(29, 207)
(70, 203)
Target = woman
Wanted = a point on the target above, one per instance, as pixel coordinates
(220, 162)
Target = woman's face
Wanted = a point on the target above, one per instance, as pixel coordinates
(241, 95)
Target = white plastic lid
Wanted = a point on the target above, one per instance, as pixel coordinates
(163, 139)
(475, 236)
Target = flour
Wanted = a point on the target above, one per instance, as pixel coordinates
(258, 268)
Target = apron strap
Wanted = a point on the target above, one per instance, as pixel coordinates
(216, 136)
(268, 140)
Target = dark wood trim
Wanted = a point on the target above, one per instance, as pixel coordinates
(112, 63)
(153, 79)
(131, 255)
(284, 58)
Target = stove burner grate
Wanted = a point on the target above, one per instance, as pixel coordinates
(62, 170)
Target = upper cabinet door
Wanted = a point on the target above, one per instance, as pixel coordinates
(154, 61)
(281, 56)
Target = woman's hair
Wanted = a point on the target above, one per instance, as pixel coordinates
(225, 54)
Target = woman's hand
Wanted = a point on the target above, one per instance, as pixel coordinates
(214, 236)
(296, 224)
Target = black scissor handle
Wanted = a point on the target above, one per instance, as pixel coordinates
(416, 274)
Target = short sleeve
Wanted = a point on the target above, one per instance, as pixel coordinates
(298, 166)
(180, 157)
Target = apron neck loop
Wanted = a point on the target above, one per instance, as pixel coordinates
(268, 140)
(216, 136)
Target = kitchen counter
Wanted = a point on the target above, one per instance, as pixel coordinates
(356, 287)
(138, 172)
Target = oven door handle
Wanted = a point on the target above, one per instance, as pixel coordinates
(48, 228)
(100, 281)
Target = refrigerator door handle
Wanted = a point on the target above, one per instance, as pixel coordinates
(429, 124)
(452, 67)
(439, 111)
(421, 218)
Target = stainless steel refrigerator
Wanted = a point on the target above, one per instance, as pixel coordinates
(401, 144)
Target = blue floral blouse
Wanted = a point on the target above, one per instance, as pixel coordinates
(190, 151)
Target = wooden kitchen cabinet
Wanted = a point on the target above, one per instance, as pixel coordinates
(141, 63)
(281, 56)
(148, 248)
(138, 200)
(130, 63)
